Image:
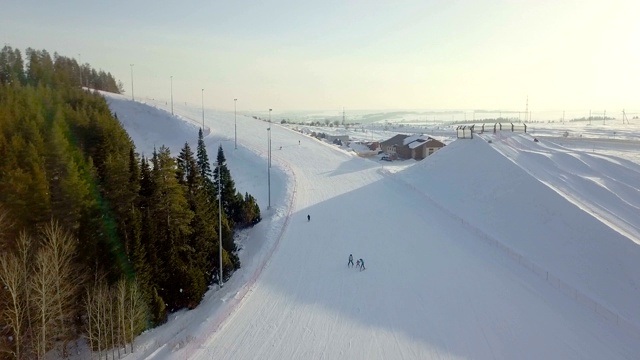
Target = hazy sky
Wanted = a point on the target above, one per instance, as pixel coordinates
(329, 54)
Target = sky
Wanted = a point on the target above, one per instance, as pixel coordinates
(302, 55)
(525, 250)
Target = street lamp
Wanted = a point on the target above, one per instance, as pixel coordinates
(235, 121)
(171, 95)
(269, 163)
(269, 159)
(132, 98)
(203, 111)
(270, 138)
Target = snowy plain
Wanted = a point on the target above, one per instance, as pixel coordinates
(508, 249)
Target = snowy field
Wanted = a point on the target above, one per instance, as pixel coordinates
(493, 248)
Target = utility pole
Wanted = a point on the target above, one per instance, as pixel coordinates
(343, 122)
(172, 95)
(589, 117)
(604, 118)
(235, 121)
(527, 118)
(132, 98)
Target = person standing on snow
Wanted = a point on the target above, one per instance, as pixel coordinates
(350, 263)
(308, 217)
(361, 264)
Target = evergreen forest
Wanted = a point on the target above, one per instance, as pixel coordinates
(97, 243)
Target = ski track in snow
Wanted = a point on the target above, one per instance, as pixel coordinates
(572, 176)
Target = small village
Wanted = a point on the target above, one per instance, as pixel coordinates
(398, 147)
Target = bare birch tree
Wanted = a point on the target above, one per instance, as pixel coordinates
(121, 300)
(15, 269)
(95, 306)
(14, 315)
(89, 310)
(136, 312)
(43, 290)
(55, 285)
(62, 247)
(25, 254)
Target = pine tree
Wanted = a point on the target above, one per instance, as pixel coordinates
(147, 255)
(205, 169)
(251, 210)
(11, 66)
(203, 224)
(69, 192)
(171, 211)
(227, 189)
(203, 158)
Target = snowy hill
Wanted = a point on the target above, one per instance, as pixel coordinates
(537, 203)
(468, 253)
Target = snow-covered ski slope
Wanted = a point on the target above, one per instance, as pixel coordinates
(605, 186)
(468, 254)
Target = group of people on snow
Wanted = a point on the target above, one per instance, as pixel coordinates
(359, 263)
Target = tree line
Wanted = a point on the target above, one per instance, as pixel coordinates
(54, 71)
(84, 219)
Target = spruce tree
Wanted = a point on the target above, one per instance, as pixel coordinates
(147, 255)
(227, 189)
(171, 211)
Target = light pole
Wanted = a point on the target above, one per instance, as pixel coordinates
(235, 121)
(270, 138)
(132, 98)
(269, 164)
(172, 95)
(202, 111)
(220, 224)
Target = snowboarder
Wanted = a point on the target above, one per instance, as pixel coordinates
(298, 142)
(308, 217)
(350, 263)
(358, 264)
(361, 264)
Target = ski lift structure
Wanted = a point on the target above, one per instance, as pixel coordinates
(467, 131)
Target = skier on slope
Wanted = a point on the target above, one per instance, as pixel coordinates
(308, 217)
(361, 264)
(350, 263)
